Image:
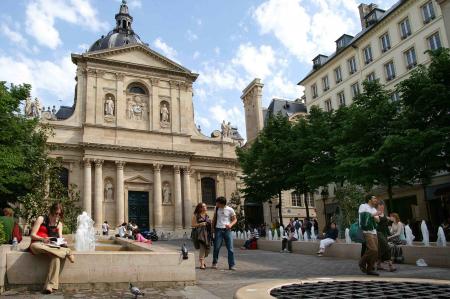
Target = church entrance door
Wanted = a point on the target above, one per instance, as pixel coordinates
(138, 209)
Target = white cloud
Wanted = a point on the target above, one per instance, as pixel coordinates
(257, 62)
(168, 51)
(203, 122)
(307, 30)
(55, 78)
(196, 55)
(14, 36)
(83, 47)
(191, 36)
(217, 51)
(220, 76)
(41, 16)
(199, 22)
(280, 87)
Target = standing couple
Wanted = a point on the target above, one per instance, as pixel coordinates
(219, 230)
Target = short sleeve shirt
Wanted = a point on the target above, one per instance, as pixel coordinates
(224, 216)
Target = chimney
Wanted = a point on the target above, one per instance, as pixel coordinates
(364, 10)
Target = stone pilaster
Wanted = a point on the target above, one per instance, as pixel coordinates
(178, 204)
(187, 197)
(157, 196)
(98, 204)
(87, 191)
(120, 201)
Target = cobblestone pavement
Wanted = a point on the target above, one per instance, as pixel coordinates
(252, 266)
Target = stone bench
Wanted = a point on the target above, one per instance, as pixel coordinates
(433, 256)
(101, 268)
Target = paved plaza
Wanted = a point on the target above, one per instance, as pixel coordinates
(253, 266)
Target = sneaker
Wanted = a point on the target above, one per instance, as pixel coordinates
(373, 273)
(214, 266)
(281, 251)
(320, 254)
(232, 268)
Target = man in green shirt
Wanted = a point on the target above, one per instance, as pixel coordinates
(8, 223)
(368, 219)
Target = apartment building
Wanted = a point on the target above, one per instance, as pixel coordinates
(390, 44)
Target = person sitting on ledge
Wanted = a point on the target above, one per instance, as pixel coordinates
(45, 230)
(138, 237)
(252, 242)
(330, 237)
(288, 237)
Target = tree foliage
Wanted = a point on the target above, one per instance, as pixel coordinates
(374, 142)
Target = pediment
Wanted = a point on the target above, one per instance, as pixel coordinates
(138, 180)
(138, 55)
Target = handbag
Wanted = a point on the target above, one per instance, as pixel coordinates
(194, 238)
(356, 233)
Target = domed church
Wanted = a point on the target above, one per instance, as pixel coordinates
(129, 142)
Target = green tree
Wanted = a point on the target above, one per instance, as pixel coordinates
(22, 145)
(364, 148)
(349, 198)
(235, 203)
(2, 234)
(267, 163)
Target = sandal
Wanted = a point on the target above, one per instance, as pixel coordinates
(203, 267)
(71, 258)
(47, 291)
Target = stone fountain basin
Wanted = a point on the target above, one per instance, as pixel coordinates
(114, 265)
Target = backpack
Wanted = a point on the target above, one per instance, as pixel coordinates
(17, 233)
(356, 233)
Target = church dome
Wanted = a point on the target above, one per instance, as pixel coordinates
(122, 35)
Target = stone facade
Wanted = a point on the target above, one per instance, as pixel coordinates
(132, 130)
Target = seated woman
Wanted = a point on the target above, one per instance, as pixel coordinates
(330, 237)
(288, 237)
(253, 239)
(138, 237)
(397, 236)
(44, 229)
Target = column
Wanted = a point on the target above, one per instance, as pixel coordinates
(157, 200)
(178, 203)
(98, 193)
(87, 192)
(120, 201)
(187, 197)
(154, 117)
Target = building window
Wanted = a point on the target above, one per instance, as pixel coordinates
(390, 70)
(310, 199)
(368, 58)
(434, 42)
(355, 89)
(296, 200)
(385, 42)
(395, 96)
(428, 12)
(209, 191)
(325, 83)
(341, 98)
(405, 28)
(371, 76)
(63, 177)
(328, 105)
(338, 74)
(136, 89)
(314, 90)
(352, 65)
(411, 60)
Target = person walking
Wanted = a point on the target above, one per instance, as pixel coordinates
(330, 237)
(368, 218)
(45, 229)
(202, 224)
(224, 219)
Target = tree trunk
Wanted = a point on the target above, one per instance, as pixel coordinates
(305, 195)
(389, 191)
(280, 211)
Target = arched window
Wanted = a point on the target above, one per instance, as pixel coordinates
(136, 89)
(209, 191)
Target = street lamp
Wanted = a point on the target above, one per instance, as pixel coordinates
(324, 195)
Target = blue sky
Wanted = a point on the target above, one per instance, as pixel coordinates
(228, 42)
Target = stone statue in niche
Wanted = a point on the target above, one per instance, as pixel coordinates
(164, 115)
(109, 190)
(166, 194)
(109, 106)
(136, 108)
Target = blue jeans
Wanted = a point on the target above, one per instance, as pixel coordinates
(222, 234)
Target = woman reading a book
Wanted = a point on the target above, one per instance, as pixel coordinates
(46, 238)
